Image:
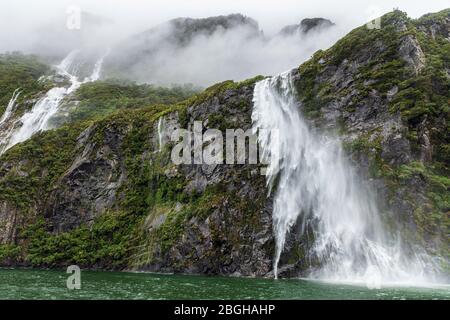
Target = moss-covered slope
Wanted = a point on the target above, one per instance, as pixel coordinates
(18, 71)
(96, 100)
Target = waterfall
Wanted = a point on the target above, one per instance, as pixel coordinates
(6, 126)
(317, 187)
(9, 109)
(160, 133)
(37, 119)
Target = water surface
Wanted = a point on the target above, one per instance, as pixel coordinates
(51, 284)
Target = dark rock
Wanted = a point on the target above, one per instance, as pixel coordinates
(306, 26)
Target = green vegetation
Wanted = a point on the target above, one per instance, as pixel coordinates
(154, 208)
(43, 159)
(104, 244)
(21, 71)
(381, 69)
(219, 88)
(96, 100)
(438, 17)
(116, 239)
(418, 98)
(431, 207)
(432, 215)
(371, 63)
(10, 252)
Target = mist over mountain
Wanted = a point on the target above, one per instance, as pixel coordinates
(55, 39)
(182, 50)
(204, 51)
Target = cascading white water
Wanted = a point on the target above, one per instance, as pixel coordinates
(9, 109)
(317, 186)
(160, 132)
(5, 124)
(37, 119)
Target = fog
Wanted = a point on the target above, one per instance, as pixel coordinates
(237, 53)
(42, 27)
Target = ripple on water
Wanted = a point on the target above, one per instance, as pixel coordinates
(50, 284)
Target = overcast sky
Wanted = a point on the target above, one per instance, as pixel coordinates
(24, 15)
(28, 24)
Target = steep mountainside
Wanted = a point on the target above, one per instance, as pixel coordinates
(97, 100)
(39, 97)
(387, 91)
(106, 194)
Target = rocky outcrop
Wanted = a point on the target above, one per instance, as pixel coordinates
(8, 224)
(307, 25)
(411, 52)
(234, 236)
(89, 186)
(185, 29)
(436, 25)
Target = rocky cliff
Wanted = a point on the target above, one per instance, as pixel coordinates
(105, 194)
(307, 25)
(387, 92)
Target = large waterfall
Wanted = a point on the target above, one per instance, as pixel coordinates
(38, 118)
(317, 187)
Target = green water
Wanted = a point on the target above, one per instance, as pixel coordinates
(44, 284)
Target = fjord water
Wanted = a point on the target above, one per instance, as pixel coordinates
(38, 118)
(317, 187)
(51, 284)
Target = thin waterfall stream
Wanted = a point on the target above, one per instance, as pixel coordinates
(38, 118)
(10, 107)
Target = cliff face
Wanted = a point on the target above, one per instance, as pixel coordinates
(105, 194)
(387, 92)
(109, 197)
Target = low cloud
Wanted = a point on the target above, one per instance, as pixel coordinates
(237, 54)
(40, 27)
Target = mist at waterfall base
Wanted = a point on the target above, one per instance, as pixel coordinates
(317, 187)
(40, 115)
